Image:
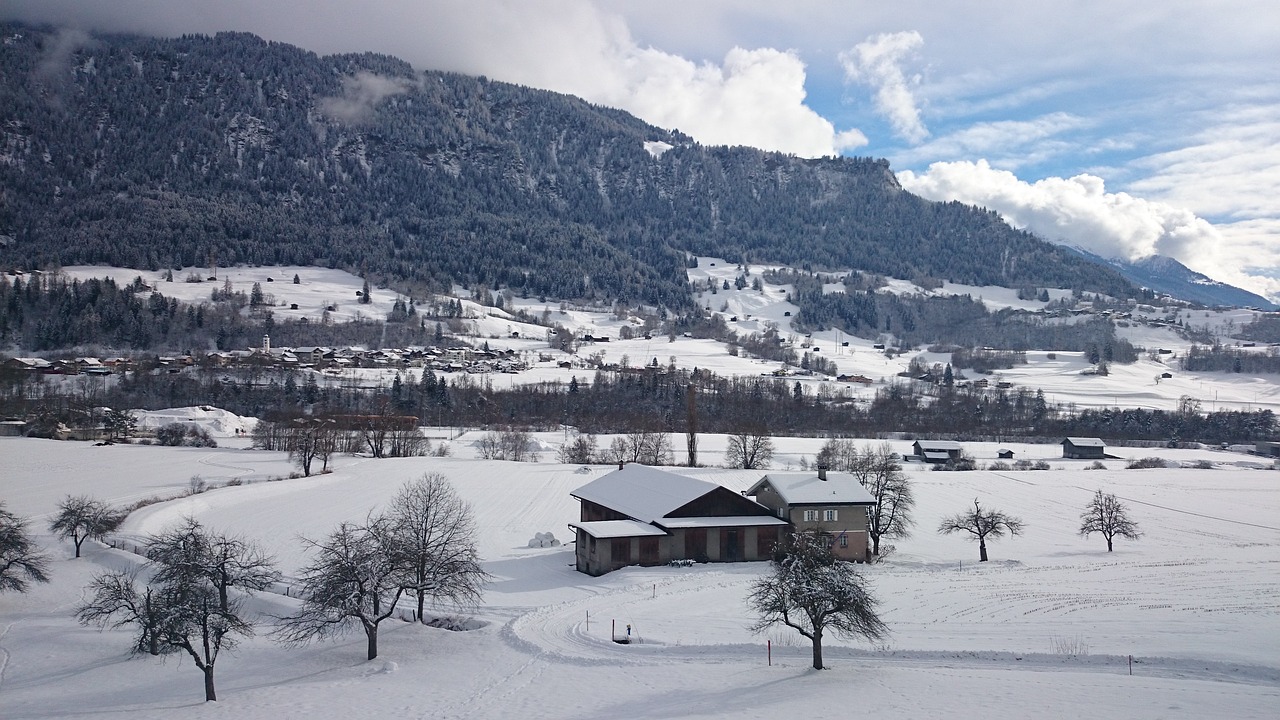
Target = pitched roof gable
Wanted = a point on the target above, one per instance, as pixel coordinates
(642, 492)
(808, 489)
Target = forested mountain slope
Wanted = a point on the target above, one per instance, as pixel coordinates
(147, 153)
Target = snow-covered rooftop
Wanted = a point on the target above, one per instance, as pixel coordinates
(805, 488)
(605, 529)
(642, 492)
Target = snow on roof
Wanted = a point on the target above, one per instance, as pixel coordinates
(808, 488)
(729, 521)
(604, 529)
(938, 444)
(936, 455)
(642, 492)
(1085, 442)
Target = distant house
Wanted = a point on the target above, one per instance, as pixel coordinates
(1082, 448)
(834, 503)
(1005, 454)
(639, 515)
(1268, 448)
(936, 451)
(860, 379)
(12, 428)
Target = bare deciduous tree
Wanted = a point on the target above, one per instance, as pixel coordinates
(80, 517)
(749, 449)
(354, 578)
(810, 590)
(181, 609)
(1107, 515)
(878, 470)
(981, 524)
(579, 451)
(189, 553)
(116, 603)
(21, 561)
(435, 536)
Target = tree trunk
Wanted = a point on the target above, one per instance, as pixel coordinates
(982, 550)
(875, 545)
(209, 694)
(817, 651)
(372, 633)
(1108, 544)
(79, 541)
(422, 596)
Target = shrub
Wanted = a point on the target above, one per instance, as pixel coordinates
(176, 434)
(1203, 465)
(171, 434)
(1040, 465)
(1146, 462)
(1096, 465)
(998, 465)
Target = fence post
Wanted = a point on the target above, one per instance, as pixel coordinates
(770, 652)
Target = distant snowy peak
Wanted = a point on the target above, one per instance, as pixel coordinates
(1166, 275)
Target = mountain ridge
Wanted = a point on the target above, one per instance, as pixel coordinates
(149, 152)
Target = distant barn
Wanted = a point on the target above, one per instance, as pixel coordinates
(1082, 448)
(936, 451)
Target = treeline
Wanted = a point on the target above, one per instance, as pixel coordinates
(153, 153)
(45, 313)
(961, 320)
(654, 399)
(1220, 358)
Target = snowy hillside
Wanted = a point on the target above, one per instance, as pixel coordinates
(1132, 385)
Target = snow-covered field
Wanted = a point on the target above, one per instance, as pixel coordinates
(1193, 601)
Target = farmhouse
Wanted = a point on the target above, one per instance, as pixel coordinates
(639, 515)
(834, 503)
(1082, 448)
(936, 451)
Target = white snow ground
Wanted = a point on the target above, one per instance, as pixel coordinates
(1193, 601)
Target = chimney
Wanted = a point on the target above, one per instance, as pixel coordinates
(266, 344)
(822, 472)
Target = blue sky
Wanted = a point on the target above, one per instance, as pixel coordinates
(1125, 127)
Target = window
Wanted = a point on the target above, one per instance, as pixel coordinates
(830, 515)
(782, 513)
(810, 515)
(844, 540)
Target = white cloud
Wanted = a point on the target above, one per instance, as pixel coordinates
(755, 97)
(1012, 143)
(877, 62)
(361, 95)
(1079, 211)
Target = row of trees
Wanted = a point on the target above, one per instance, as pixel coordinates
(189, 596)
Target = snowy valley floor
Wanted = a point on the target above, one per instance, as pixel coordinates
(1194, 601)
